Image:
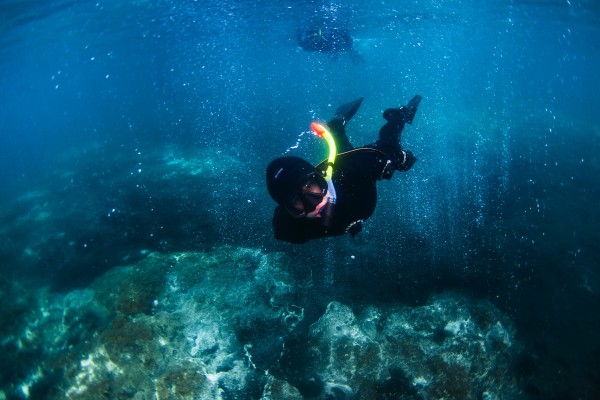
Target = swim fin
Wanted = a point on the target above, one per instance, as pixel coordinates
(345, 112)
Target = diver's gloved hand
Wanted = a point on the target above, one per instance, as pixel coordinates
(409, 160)
(355, 228)
(411, 109)
(404, 114)
(394, 115)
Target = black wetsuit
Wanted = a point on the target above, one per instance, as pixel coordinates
(355, 174)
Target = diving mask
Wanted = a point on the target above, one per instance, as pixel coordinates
(308, 197)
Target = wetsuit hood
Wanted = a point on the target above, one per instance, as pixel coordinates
(285, 176)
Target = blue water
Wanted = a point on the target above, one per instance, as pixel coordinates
(97, 96)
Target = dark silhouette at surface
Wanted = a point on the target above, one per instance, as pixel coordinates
(325, 40)
(325, 36)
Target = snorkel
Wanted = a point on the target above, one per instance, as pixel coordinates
(327, 210)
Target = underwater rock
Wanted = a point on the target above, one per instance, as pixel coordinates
(344, 356)
(165, 327)
(450, 348)
(280, 389)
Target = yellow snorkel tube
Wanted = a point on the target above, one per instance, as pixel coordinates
(322, 131)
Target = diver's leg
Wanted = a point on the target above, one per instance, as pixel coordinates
(337, 125)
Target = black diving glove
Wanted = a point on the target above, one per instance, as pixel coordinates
(411, 109)
(355, 228)
(404, 114)
(409, 160)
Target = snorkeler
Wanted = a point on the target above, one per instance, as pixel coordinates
(322, 36)
(336, 196)
(325, 40)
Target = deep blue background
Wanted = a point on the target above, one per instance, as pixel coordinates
(502, 202)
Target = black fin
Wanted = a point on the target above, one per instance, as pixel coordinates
(345, 112)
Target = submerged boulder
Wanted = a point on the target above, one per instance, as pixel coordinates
(451, 348)
(183, 325)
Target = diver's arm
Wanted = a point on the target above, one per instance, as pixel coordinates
(390, 133)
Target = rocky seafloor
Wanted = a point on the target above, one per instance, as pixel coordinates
(233, 323)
